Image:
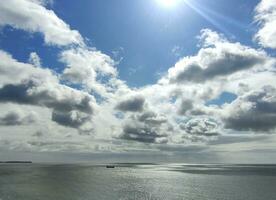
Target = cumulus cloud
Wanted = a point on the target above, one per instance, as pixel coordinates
(34, 59)
(73, 119)
(34, 17)
(186, 105)
(147, 127)
(60, 98)
(38, 134)
(41, 87)
(177, 113)
(218, 58)
(132, 104)
(200, 127)
(83, 63)
(254, 111)
(141, 133)
(43, 2)
(14, 72)
(92, 69)
(15, 118)
(266, 17)
(67, 104)
(197, 130)
(152, 118)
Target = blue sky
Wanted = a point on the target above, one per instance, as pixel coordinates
(142, 32)
(138, 78)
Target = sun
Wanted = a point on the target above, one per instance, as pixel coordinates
(168, 3)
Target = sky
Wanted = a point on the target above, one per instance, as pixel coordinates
(138, 81)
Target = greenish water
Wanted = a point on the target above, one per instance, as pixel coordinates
(87, 182)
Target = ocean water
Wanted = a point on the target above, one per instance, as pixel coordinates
(137, 182)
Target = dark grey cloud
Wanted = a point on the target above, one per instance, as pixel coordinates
(38, 134)
(33, 94)
(188, 107)
(222, 64)
(132, 104)
(138, 133)
(185, 106)
(200, 127)
(14, 118)
(147, 127)
(72, 119)
(198, 112)
(218, 57)
(255, 111)
(16, 94)
(152, 118)
(69, 106)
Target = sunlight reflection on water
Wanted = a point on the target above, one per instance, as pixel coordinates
(85, 182)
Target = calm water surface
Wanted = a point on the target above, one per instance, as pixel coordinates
(127, 182)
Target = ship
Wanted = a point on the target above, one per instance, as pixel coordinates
(110, 166)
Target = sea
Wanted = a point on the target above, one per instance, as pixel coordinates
(137, 182)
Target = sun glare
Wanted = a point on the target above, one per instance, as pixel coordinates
(168, 3)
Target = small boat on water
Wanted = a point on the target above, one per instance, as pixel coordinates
(110, 166)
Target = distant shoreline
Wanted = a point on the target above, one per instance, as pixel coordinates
(16, 162)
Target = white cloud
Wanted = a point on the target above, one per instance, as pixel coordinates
(90, 68)
(266, 17)
(170, 113)
(30, 15)
(146, 127)
(29, 85)
(255, 111)
(217, 58)
(14, 72)
(17, 117)
(83, 63)
(34, 59)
